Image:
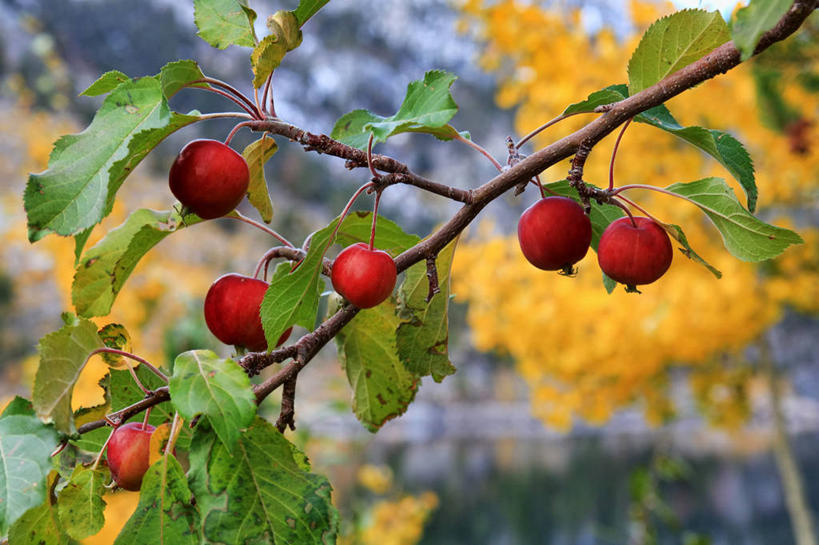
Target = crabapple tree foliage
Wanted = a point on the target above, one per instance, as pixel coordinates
(207, 466)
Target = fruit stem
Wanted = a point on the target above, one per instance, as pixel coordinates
(235, 129)
(638, 207)
(346, 210)
(147, 416)
(241, 217)
(614, 152)
(102, 450)
(219, 115)
(480, 149)
(540, 186)
(267, 93)
(236, 94)
(543, 127)
(134, 357)
(370, 156)
(624, 207)
(375, 218)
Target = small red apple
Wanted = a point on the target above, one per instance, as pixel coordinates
(554, 233)
(362, 276)
(634, 255)
(232, 312)
(209, 178)
(129, 454)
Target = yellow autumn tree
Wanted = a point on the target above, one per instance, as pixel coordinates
(585, 353)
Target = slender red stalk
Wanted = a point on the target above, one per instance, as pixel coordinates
(134, 357)
(375, 217)
(242, 105)
(370, 156)
(235, 129)
(614, 153)
(265, 95)
(147, 416)
(233, 91)
(542, 128)
(241, 217)
(480, 149)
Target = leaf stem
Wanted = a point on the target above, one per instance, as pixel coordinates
(134, 357)
(480, 149)
(614, 153)
(543, 127)
(235, 129)
(370, 156)
(235, 100)
(267, 87)
(241, 217)
(638, 207)
(220, 115)
(233, 91)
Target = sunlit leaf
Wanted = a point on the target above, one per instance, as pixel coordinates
(174, 76)
(204, 383)
(106, 83)
(745, 236)
(308, 8)
(80, 505)
(672, 43)
(225, 22)
(256, 155)
(62, 358)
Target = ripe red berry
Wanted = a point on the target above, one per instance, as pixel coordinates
(634, 255)
(362, 276)
(232, 312)
(129, 454)
(554, 233)
(209, 178)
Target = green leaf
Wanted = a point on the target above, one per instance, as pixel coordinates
(40, 525)
(115, 336)
(308, 8)
(260, 492)
(389, 236)
(176, 75)
(609, 95)
(266, 57)
(106, 266)
(754, 20)
(676, 232)
(62, 358)
(285, 26)
(224, 22)
(745, 236)
(18, 406)
(382, 386)
(674, 42)
(25, 447)
(203, 383)
(293, 296)
(256, 155)
(164, 514)
(85, 170)
(81, 506)
(423, 334)
(106, 83)
(79, 244)
(609, 283)
(428, 106)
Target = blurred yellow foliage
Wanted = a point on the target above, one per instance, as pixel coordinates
(376, 479)
(585, 353)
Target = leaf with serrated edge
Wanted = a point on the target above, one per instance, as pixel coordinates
(256, 155)
(745, 236)
(164, 515)
(25, 447)
(609, 95)
(204, 383)
(260, 492)
(423, 334)
(427, 107)
(224, 22)
(106, 266)
(754, 20)
(80, 505)
(105, 83)
(62, 358)
(18, 406)
(174, 76)
(308, 8)
(82, 178)
(266, 57)
(674, 42)
(382, 386)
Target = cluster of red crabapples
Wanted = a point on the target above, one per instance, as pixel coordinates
(555, 233)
